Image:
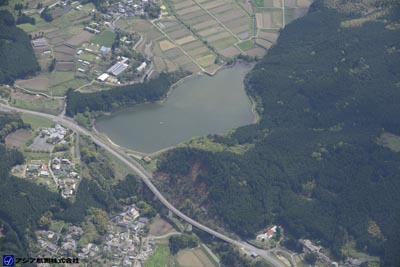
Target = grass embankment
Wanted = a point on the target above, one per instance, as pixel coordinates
(160, 258)
(36, 122)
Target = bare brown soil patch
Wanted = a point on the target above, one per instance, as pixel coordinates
(166, 45)
(174, 52)
(264, 43)
(237, 22)
(36, 83)
(80, 38)
(240, 29)
(64, 49)
(231, 15)
(270, 36)
(213, 4)
(212, 30)
(230, 51)
(185, 40)
(57, 40)
(65, 66)
(204, 24)
(63, 57)
(304, 3)
(188, 10)
(159, 63)
(221, 9)
(178, 34)
(193, 15)
(193, 68)
(192, 45)
(259, 52)
(198, 51)
(18, 138)
(218, 36)
(181, 5)
(290, 3)
(246, 6)
(206, 61)
(187, 258)
(160, 227)
(181, 60)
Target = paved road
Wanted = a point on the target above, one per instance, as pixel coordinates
(146, 177)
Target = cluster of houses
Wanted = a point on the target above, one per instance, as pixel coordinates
(123, 241)
(56, 244)
(129, 8)
(122, 246)
(54, 134)
(47, 240)
(65, 175)
(308, 246)
(268, 234)
(35, 168)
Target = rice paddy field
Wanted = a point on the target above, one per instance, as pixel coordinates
(194, 35)
(199, 35)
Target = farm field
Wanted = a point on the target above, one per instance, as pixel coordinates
(161, 257)
(160, 227)
(225, 28)
(36, 103)
(18, 138)
(106, 38)
(36, 122)
(196, 257)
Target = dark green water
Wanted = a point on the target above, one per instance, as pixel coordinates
(199, 106)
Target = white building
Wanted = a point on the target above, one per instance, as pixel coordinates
(103, 77)
(141, 67)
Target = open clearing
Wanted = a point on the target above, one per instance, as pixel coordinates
(18, 138)
(160, 227)
(194, 258)
(185, 40)
(36, 122)
(160, 258)
(106, 38)
(390, 141)
(166, 45)
(39, 83)
(80, 38)
(37, 103)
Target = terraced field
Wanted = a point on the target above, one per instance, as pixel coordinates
(200, 35)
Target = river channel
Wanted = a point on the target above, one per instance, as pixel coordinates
(198, 106)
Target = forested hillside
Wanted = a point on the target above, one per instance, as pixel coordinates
(16, 53)
(117, 97)
(329, 89)
(23, 203)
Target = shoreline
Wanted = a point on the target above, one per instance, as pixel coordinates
(253, 102)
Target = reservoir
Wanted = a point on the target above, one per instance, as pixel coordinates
(198, 106)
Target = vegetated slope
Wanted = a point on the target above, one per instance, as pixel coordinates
(110, 100)
(23, 203)
(327, 94)
(16, 53)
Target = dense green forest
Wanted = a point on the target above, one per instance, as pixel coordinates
(110, 100)
(23, 203)
(16, 53)
(327, 92)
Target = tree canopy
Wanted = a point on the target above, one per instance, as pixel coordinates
(16, 53)
(327, 94)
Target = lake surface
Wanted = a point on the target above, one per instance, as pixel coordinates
(199, 106)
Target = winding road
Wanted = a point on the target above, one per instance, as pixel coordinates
(146, 177)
